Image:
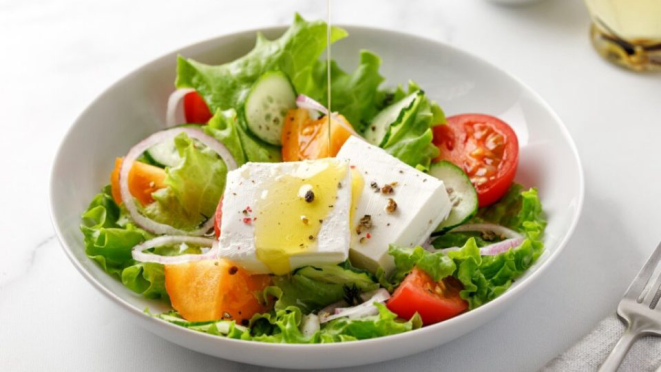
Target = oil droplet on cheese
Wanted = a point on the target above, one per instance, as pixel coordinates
(280, 230)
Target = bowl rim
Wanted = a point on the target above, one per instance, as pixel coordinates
(438, 327)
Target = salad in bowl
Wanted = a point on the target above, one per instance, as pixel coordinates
(258, 213)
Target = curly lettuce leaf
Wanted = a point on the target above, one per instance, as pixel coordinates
(409, 137)
(284, 326)
(225, 126)
(436, 264)
(314, 287)
(193, 190)
(483, 277)
(295, 53)
(147, 279)
(487, 277)
(109, 238)
(384, 324)
(518, 210)
(354, 95)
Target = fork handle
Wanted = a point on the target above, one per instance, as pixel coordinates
(620, 350)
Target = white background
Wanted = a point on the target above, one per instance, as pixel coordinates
(57, 56)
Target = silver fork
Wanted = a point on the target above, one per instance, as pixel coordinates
(639, 310)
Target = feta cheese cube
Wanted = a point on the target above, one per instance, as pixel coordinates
(398, 205)
(281, 216)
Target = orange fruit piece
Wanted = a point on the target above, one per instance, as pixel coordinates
(214, 290)
(304, 138)
(144, 179)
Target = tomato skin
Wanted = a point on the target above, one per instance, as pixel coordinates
(218, 218)
(435, 302)
(196, 110)
(466, 141)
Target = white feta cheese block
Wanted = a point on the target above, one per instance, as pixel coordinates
(404, 213)
(245, 186)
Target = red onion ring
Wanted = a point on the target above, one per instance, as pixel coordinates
(140, 256)
(307, 103)
(174, 114)
(314, 107)
(493, 249)
(367, 308)
(483, 227)
(135, 152)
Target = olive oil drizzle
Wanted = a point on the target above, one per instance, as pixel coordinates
(328, 69)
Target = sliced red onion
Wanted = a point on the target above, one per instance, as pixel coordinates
(128, 200)
(174, 114)
(367, 308)
(315, 108)
(307, 103)
(309, 325)
(140, 255)
(484, 227)
(500, 247)
(493, 249)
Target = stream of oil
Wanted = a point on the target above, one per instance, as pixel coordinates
(328, 69)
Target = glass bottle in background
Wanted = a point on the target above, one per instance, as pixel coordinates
(627, 32)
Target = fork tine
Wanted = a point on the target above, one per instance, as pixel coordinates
(652, 296)
(643, 277)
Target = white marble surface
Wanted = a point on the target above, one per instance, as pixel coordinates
(56, 56)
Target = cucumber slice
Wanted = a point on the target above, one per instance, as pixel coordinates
(267, 105)
(461, 191)
(164, 154)
(376, 134)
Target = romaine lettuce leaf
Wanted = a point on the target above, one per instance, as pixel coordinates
(354, 95)
(193, 190)
(295, 53)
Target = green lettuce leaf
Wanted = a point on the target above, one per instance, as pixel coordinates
(295, 53)
(193, 190)
(436, 264)
(518, 210)
(487, 277)
(354, 95)
(148, 279)
(109, 238)
(384, 324)
(106, 242)
(314, 287)
(283, 326)
(409, 138)
(225, 126)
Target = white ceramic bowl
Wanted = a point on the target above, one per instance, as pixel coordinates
(135, 107)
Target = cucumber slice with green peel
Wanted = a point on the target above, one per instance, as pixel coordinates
(461, 192)
(164, 154)
(267, 105)
(376, 134)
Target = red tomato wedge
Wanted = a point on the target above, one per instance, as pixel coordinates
(434, 301)
(196, 110)
(218, 218)
(485, 147)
